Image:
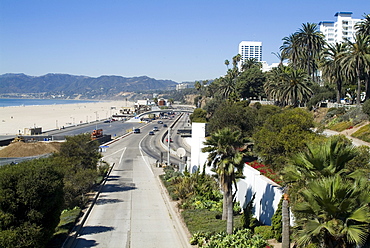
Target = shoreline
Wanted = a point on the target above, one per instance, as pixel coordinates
(14, 119)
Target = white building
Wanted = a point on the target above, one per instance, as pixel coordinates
(340, 30)
(250, 49)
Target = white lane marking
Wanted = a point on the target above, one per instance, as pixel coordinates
(142, 155)
(114, 152)
(120, 159)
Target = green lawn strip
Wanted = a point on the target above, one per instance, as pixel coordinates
(203, 220)
(67, 221)
(363, 133)
(341, 126)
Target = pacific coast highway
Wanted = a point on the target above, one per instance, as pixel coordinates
(132, 208)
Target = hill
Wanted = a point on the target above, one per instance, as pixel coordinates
(86, 87)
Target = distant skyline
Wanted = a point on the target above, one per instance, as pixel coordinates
(165, 39)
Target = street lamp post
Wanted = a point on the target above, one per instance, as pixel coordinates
(168, 143)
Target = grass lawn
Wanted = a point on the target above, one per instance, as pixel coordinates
(203, 220)
(66, 223)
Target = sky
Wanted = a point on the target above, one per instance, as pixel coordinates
(179, 40)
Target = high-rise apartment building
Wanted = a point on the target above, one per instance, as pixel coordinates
(342, 29)
(250, 49)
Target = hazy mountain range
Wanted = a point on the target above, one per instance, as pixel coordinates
(86, 87)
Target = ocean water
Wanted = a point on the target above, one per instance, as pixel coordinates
(6, 102)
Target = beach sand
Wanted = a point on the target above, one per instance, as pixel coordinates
(13, 120)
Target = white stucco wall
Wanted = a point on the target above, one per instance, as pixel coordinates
(197, 138)
(268, 194)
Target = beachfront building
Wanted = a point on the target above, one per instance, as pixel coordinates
(340, 30)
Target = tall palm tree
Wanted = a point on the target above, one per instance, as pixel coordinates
(363, 27)
(331, 67)
(227, 63)
(338, 213)
(311, 40)
(357, 60)
(292, 51)
(227, 159)
(236, 60)
(227, 86)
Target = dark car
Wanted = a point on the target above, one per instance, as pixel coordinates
(137, 130)
(164, 125)
(160, 122)
(151, 133)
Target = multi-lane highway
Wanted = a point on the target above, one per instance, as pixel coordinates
(132, 209)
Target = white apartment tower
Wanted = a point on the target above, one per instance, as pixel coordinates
(250, 49)
(342, 29)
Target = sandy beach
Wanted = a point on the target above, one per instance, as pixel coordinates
(13, 120)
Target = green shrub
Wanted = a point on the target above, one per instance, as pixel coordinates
(240, 238)
(277, 222)
(203, 220)
(366, 107)
(264, 231)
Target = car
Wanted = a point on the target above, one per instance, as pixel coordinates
(155, 129)
(137, 130)
(164, 125)
(170, 140)
(151, 133)
(160, 122)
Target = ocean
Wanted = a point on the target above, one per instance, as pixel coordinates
(7, 102)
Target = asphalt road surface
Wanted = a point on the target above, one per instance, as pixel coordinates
(132, 209)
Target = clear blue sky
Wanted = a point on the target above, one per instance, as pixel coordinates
(180, 40)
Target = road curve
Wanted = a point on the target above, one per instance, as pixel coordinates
(132, 209)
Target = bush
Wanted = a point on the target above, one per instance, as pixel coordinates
(264, 231)
(240, 238)
(366, 107)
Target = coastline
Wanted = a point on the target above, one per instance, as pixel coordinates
(14, 119)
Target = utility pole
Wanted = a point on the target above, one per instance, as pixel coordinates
(168, 143)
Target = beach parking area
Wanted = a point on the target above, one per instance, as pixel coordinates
(14, 120)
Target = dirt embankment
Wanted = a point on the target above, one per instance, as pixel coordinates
(21, 149)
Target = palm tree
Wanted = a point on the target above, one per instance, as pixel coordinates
(331, 67)
(292, 51)
(338, 213)
(311, 42)
(227, 63)
(226, 158)
(357, 60)
(317, 161)
(236, 60)
(363, 27)
(296, 87)
(288, 86)
(227, 86)
(249, 63)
